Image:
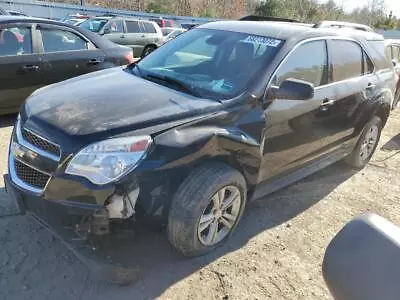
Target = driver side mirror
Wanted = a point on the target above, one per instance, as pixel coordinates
(394, 62)
(292, 89)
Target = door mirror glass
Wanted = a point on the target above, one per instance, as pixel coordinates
(293, 89)
(394, 62)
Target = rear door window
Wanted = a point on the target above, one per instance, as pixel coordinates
(132, 26)
(301, 65)
(347, 60)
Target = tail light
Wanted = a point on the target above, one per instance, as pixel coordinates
(129, 57)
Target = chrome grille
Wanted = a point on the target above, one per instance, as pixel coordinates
(30, 176)
(41, 143)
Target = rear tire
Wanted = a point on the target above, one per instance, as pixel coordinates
(147, 50)
(198, 222)
(366, 145)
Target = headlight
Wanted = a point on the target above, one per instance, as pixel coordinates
(109, 160)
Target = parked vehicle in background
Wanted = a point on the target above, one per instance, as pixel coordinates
(141, 35)
(393, 54)
(226, 113)
(16, 13)
(189, 26)
(75, 22)
(3, 12)
(75, 17)
(166, 23)
(171, 33)
(37, 52)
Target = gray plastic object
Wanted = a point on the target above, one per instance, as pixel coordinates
(362, 262)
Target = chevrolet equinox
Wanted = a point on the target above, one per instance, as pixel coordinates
(225, 113)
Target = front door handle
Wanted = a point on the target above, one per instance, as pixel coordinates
(122, 36)
(326, 104)
(30, 68)
(94, 62)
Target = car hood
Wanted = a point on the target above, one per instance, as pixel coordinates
(110, 99)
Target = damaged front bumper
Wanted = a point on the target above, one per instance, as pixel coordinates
(108, 254)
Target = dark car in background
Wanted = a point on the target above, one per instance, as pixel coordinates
(393, 54)
(142, 36)
(36, 52)
(226, 113)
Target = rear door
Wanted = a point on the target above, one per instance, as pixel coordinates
(136, 39)
(65, 53)
(354, 82)
(19, 65)
(151, 35)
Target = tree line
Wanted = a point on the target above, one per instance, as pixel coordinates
(374, 13)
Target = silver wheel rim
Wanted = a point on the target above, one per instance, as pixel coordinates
(369, 142)
(219, 216)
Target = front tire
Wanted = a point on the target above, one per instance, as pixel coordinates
(206, 209)
(366, 144)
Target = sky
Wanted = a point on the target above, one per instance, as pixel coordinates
(392, 5)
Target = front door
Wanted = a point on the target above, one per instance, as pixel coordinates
(66, 54)
(19, 65)
(115, 32)
(295, 132)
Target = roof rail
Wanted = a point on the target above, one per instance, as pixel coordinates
(336, 24)
(260, 18)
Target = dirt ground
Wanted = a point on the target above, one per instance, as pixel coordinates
(275, 254)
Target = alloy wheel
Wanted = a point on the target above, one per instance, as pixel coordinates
(220, 215)
(369, 142)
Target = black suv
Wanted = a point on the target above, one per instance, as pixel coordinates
(225, 113)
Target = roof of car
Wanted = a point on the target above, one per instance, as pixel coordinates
(286, 30)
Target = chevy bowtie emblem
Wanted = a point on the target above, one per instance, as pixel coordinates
(22, 152)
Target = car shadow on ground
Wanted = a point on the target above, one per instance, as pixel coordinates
(393, 144)
(7, 120)
(164, 267)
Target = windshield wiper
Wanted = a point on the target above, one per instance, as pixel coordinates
(179, 84)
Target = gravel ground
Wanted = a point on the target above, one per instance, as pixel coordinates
(276, 252)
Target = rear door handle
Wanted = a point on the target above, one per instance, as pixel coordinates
(30, 68)
(326, 103)
(371, 86)
(122, 36)
(94, 62)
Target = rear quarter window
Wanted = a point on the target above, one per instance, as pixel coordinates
(376, 50)
(149, 28)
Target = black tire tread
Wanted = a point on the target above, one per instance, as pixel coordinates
(185, 203)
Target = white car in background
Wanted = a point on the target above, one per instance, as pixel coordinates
(171, 33)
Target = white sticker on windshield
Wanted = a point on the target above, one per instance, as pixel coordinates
(263, 40)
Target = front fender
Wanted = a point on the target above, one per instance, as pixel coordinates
(185, 147)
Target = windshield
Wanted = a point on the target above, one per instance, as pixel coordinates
(94, 25)
(214, 63)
